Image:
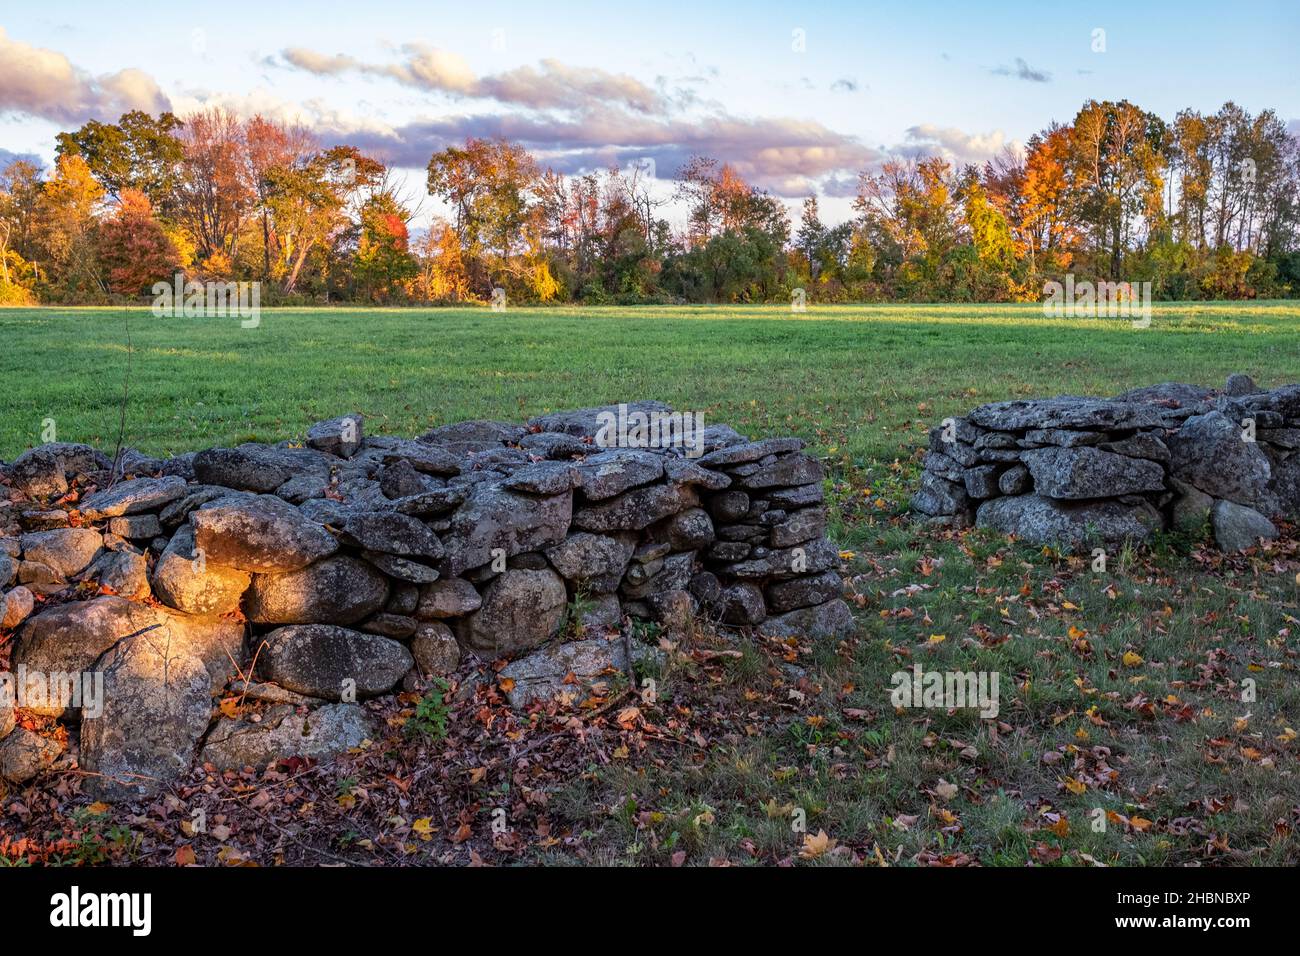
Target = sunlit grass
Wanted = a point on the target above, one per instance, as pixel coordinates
(863, 378)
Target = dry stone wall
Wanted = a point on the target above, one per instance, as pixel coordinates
(352, 566)
(1078, 472)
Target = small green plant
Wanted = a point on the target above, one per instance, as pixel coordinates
(431, 713)
(578, 609)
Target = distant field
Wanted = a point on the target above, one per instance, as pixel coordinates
(846, 377)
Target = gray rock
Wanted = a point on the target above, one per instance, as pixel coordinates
(179, 510)
(739, 454)
(322, 660)
(1284, 489)
(68, 551)
(1191, 508)
(610, 473)
(1069, 524)
(8, 570)
(400, 480)
(599, 614)
(392, 533)
(1087, 472)
(636, 509)
(16, 607)
(830, 621)
(1239, 385)
(810, 558)
(1141, 445)
(938, 463)
(587, 422)
(338, 436)
(70, 638)
(1237, 527)
(335, 590)
(1288, 438)
(596, 558)
(436, 501)
(132, 497)
(1066, 411)
(196, 587)
(554, 445)
(785, 596)
(397, 626)
(729, 506)
(1060, 437)
(681, 471)
(24, 754)
(136, 527)
(689, 530)
(939, 496)
(674, 574)
(38, 473)
(451, 597)
(494, 517)
(283, 732)
(706, 589)
(423, 457)
(121, 572)
(798, 527)
(786, 471)
(1209, 453)
(797, 497)
(544, 478)
(464, 437)
(521, 610)
(1015, 480)
(742, 604)
(1167, 393)
(434, 648)
(302, 488)
(980, 481)
(259, 536)
(569, 670)
(402, 568)
(240, 469)
(156, 707)
(404, 599)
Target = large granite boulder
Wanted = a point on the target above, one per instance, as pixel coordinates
(1069, 524)
(329, 662)
(521, 610)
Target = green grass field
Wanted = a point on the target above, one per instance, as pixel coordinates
(850, 376)
(1125, 733)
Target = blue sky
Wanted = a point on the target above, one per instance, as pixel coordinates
(588, 83)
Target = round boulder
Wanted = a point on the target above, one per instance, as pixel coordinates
(337, 590)
(521, 610)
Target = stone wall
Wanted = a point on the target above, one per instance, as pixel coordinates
(1077, 472)
(356, 565)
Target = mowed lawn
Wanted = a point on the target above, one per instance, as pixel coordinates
(1148, 708)
(849, 377)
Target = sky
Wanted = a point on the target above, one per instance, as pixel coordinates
(800, 97)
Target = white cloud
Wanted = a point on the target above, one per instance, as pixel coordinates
(44, 83)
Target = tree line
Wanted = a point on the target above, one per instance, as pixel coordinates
(1203, 207)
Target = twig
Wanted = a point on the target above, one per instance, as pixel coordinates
(126, 394)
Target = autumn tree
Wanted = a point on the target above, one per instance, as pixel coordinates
(65, 229)
(134, 251)
(138, 152)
